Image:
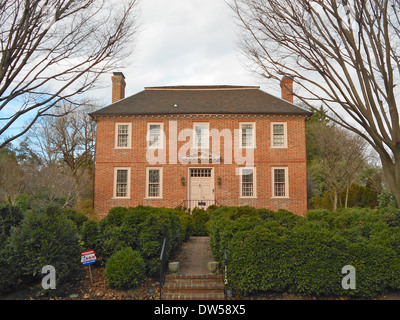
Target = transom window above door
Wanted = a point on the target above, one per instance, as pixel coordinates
(198, 173)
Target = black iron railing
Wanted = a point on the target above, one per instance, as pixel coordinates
(163, 266)
(226, 274)
(201, 204)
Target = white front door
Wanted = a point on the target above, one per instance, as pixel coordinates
(201, 188)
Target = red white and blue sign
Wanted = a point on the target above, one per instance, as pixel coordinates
(88, 257)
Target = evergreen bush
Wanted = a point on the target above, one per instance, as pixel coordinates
(281, 252)
(125, 269)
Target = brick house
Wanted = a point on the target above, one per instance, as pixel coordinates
(201, 145)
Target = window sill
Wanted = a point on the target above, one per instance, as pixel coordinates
(248, 197)
(122, 148)
(279, 148)
(279, 198)
(120, 198)
(153, 198)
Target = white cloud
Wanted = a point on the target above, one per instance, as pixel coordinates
(185, 42)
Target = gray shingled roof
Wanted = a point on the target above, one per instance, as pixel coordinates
(201, 100)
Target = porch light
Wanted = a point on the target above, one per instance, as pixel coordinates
(219, 181)
(183, 181)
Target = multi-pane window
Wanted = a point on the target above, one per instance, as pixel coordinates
(154, 135)
(154, 182)
(121, 182)
(200, 172)
(247, 182)
(122, 135)
(279, 182)
(279, 135)
(201, 135)
(247, 134)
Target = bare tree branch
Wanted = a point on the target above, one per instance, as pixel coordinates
(53, 51)
(344, 54)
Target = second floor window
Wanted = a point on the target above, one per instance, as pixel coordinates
(123, 135)
(201, 135)
(247, 135)
(279, 135)
(154, 135)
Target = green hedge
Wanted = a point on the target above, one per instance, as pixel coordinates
(42, 238)
(10, 217)
(283, 252)
(140, 228)
(53, 236)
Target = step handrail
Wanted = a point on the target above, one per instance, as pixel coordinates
(163, 258)
(226, 274)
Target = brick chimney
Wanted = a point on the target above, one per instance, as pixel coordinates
(118, 86)
(287, 88)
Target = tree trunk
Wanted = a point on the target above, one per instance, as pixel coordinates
(77, 186)
(335, 200)
(347, 196)
(391, 172)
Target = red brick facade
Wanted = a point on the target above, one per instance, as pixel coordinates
(175, 177)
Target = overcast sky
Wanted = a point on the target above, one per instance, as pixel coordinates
(181, 42)
(186, 42)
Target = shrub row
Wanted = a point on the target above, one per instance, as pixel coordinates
(283, 252)
(142, 230)
(126, 239)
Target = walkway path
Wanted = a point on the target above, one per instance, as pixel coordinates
(194, 256)
(193, 281)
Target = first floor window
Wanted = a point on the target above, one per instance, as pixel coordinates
(121, 178)
(280, 182)
(154, 182)
(247, 182)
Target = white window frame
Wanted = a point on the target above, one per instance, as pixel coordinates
(208, 135)
(128, 186)
(286, 182)
(161, 135)
(160, 169)
(129, 124)
(253, 135)
(254, 183)
(285, 137)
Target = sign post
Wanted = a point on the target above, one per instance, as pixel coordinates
(87, 259)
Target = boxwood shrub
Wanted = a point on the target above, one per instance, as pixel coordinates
(141, 228)
(125, 269)
(45, 238)
(283, 252)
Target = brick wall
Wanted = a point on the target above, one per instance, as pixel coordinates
(227, 192)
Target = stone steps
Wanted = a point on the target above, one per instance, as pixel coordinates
(193, 287)
(193, 296)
